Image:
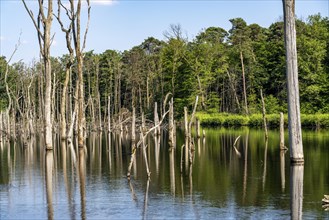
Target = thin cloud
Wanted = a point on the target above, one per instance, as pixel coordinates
(2, 38)
(103, 2)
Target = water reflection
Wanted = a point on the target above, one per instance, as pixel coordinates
(146, 198)
(265, 163)
(245, 173)
(82, 181)
(218, 184)
(49, 182)
(172, 170)
(282, 169)
(296, 190)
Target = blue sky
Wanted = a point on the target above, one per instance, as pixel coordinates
(122, 24)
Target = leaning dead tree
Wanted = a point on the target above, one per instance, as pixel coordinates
(42, 25)
(143, 134)
(6, 115)
(295, 131)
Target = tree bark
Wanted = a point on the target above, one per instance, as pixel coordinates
(171, 123)
(264, 114)
(44, 44)
(156, 119)
(295, 131)
(281, 131)
(244, 83)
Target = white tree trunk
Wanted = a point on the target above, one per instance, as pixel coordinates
(295, 131)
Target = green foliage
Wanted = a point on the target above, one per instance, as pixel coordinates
(256, 120)
(3, 94)
(210, 66)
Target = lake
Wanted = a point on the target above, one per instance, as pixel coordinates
(253, 180)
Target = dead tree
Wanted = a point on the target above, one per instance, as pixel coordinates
(282, 147)
(190, 141)
(69, 63)
(264, 114)
(43, 26)
(74, 16)
(295, 130)
(171, 123)
(142, 141)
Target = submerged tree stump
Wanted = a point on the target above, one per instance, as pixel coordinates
(325, 202)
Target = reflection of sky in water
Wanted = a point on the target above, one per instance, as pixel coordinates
(217, 181)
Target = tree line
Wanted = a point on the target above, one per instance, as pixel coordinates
(225, 68)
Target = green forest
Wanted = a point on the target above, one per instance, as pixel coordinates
(225, 68)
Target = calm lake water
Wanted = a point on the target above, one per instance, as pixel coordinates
(254, 181)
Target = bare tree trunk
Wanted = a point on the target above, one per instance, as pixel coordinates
(41, 100)
(264, 114)
(295, 131)
(191, 146)
(233, 89)
(156, 119)
(187, 132)
(81, 107)
(63, 102)
(281, 131)
(203, 105)
(109, 114)
(44, 44)
(133, 126)
(76, 30)
(1, 127)
(116, 101)
(244, 83)
(171, 123)
(147, 93)
(8, 130)
(140, 100)
(197, 124)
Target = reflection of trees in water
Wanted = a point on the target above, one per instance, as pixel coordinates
(282, 169)
(82, 181)
(296, 190)
(217, 170)
(49, 182)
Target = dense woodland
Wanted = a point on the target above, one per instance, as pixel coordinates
(225, 68)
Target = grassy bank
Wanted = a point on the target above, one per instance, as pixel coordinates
(256, 120)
